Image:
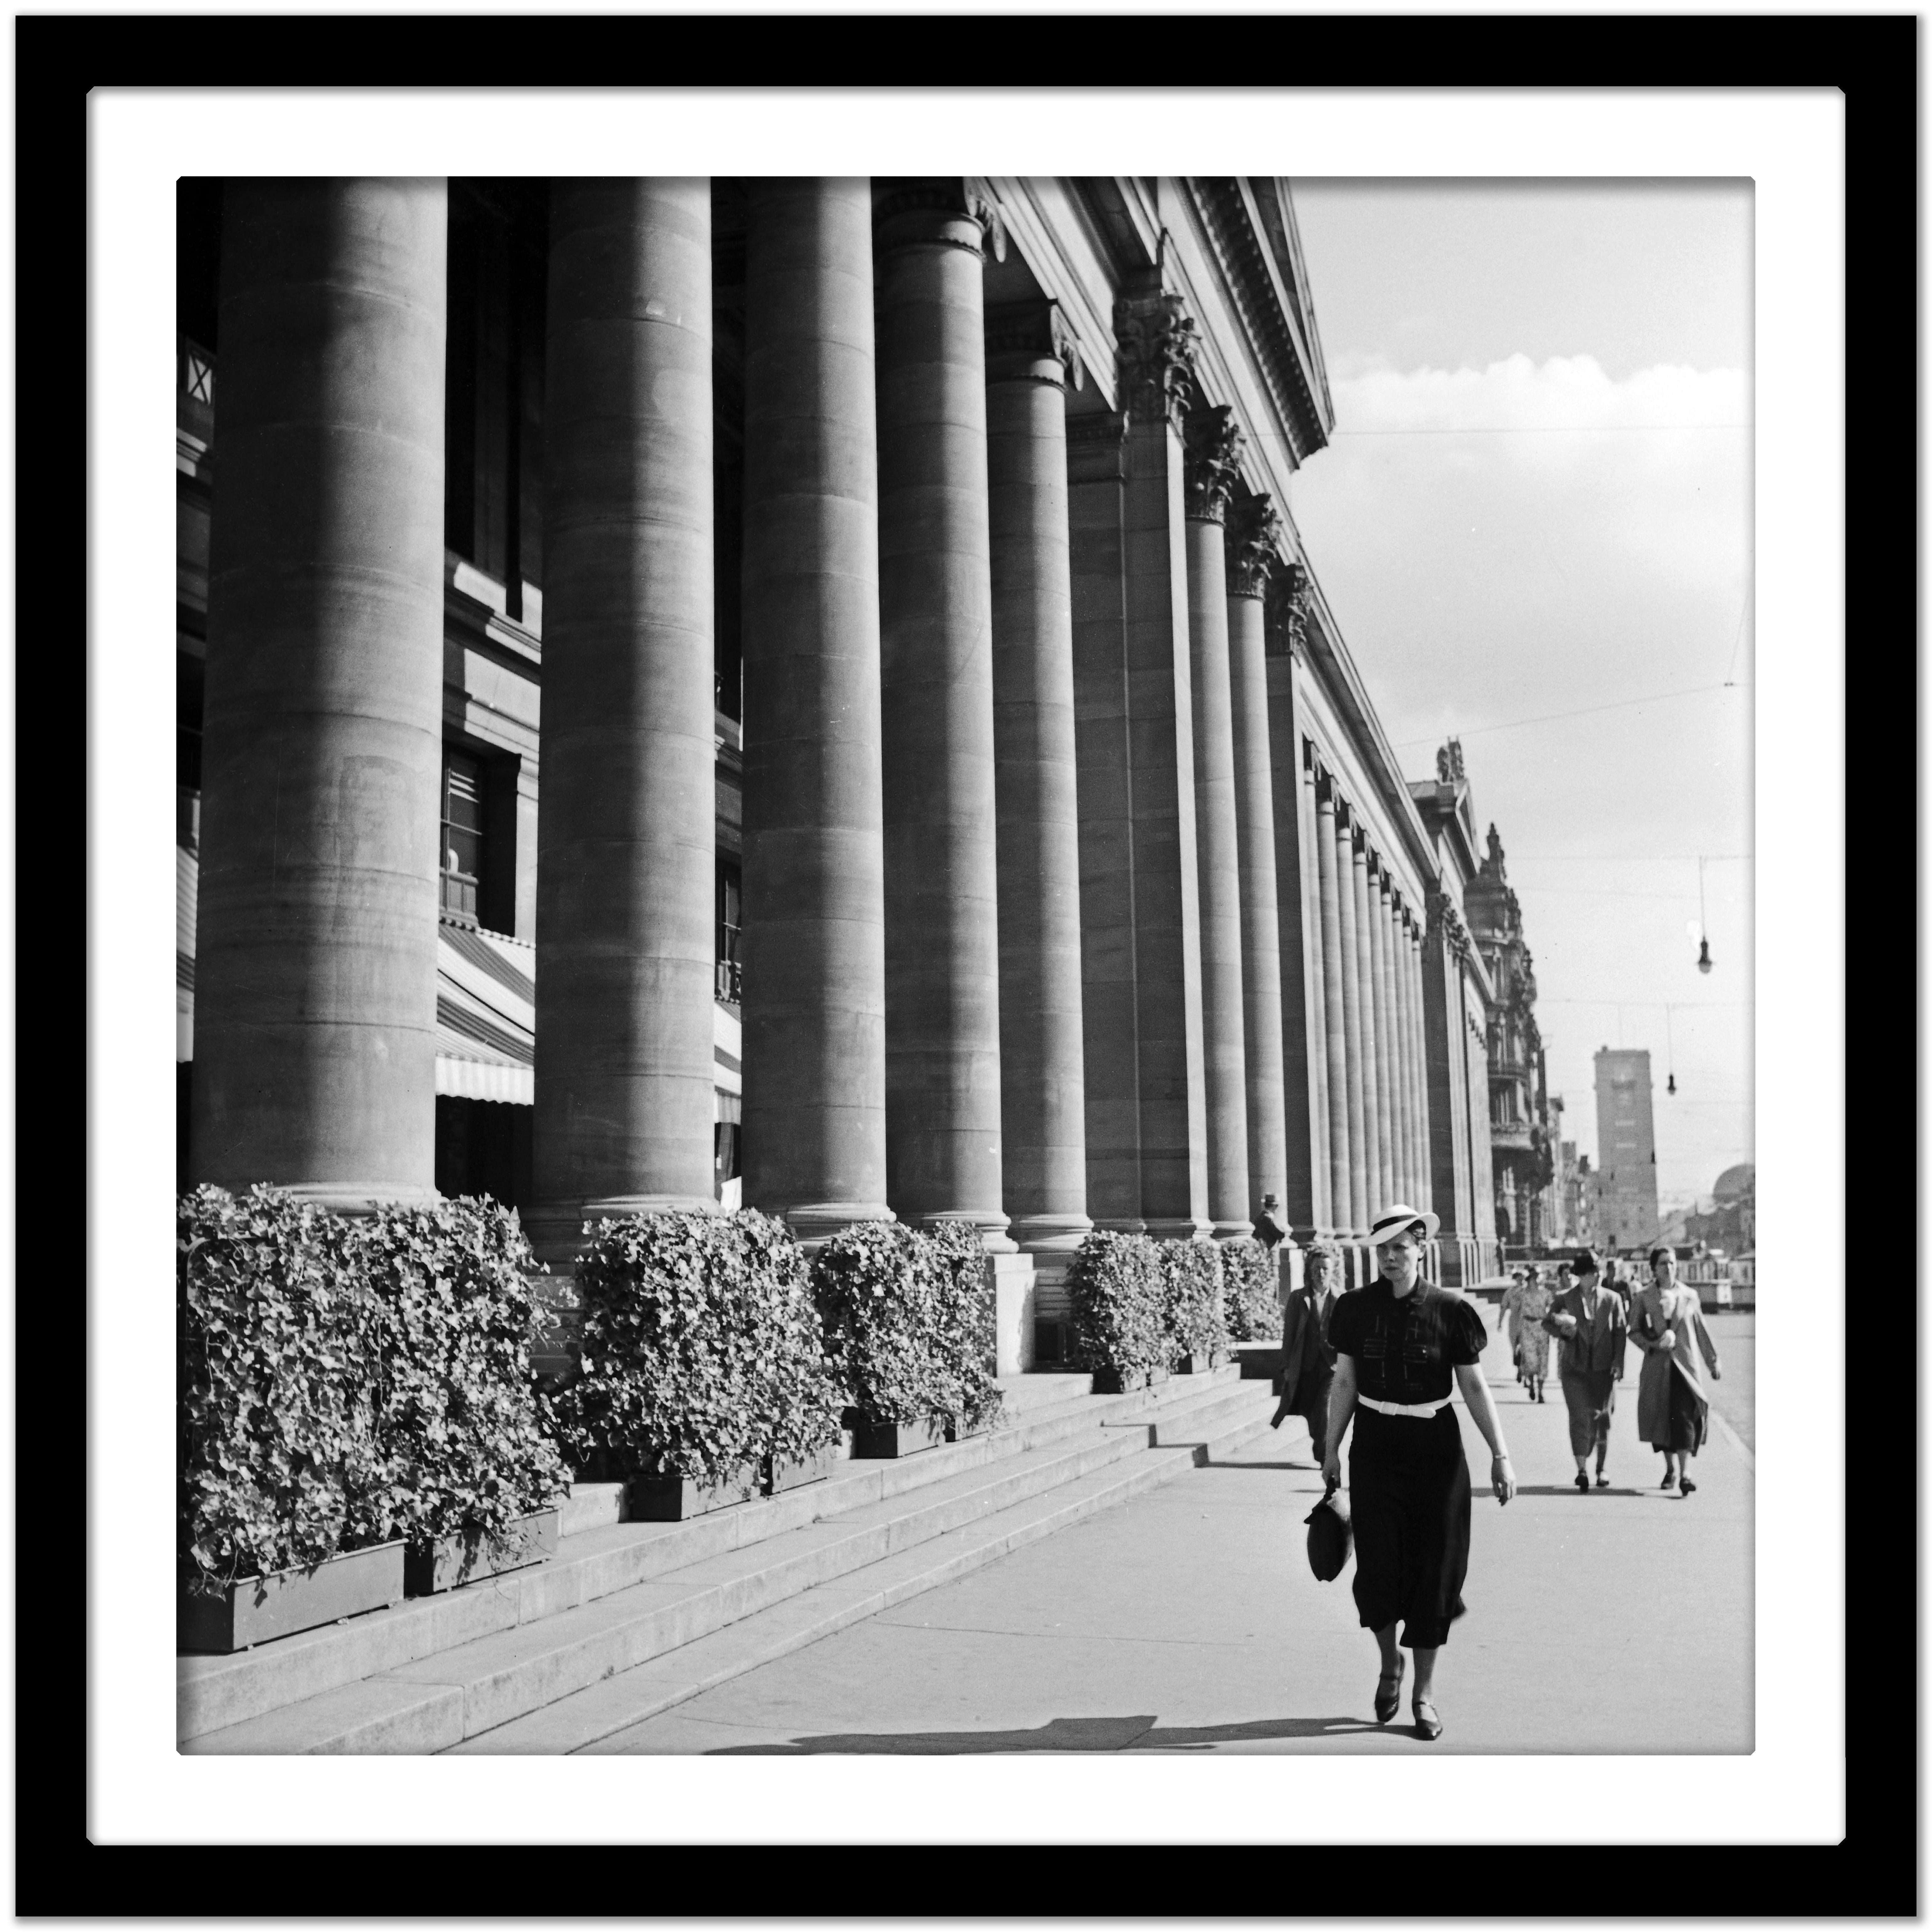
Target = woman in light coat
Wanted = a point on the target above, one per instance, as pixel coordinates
(1672, 1409)
(1527, 1303)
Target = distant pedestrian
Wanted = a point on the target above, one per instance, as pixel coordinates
(1307, 1361)
(1532, 1304)
(1619, 1284)
(1672, 1409)
(1398, 1343)
(1591, 1321)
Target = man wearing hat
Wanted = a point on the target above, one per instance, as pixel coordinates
(1589, 1319)
(1307, 1362)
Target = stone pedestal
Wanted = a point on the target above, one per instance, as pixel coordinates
(322, 757)
(626, 873)
(815, 1001)
(1014, 1308)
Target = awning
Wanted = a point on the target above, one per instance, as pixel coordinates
(485, 1010)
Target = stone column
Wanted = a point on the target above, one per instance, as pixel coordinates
(1353, 902)
(1373, 1127)
(626, 864)
(315, 1021)
(1030, 359)
(1334, 976)
(1213, 455)
(1446, 1071)
(1407, 1180)
(1096, 456)
(1254, 553)
(1418, 1051)
(814, 950)
(1382, 1007)
(1157, 347)
(943, 1106)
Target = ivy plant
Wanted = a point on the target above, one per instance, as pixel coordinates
(1249, 1299)
(1114, 1290)
(1191, 1285)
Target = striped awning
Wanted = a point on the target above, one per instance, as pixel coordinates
(485, 1010)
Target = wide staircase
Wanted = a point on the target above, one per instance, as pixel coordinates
(629, 1618)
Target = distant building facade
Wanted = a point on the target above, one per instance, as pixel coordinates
(1730, 1223)
(1626, 1147)
(1522, 1150)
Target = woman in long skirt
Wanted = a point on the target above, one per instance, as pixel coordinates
(1398, 1344)
(1533, 1304)
(1672, 1410)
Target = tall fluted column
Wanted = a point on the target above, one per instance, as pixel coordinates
(1418, 1057)
(1029, 357)
(627, 862)
(815, 1000)
(315, 1020)
(1334, 976)
(935, 602)
(1267, 939)
(1406, 1183)
(1380, 989)
(1214, 447)
(1373, 1127)
(1354, 907)
(1157, 348)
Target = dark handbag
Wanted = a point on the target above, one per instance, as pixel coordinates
(1329, 1535)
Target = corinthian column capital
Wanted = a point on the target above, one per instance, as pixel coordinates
(1213, 457)
(942, 211)
(1288, 592)
(1254, 546)
(1158, 343)
(1032, 341)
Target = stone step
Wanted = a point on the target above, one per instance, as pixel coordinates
(1207, 1414)
(216, 1693)
(592, 1719)
(1024, 1393)
(507, 1671)
(591, 1506)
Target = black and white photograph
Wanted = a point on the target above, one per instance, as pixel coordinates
(966, 965)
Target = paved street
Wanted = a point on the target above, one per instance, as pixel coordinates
(1187, 1620)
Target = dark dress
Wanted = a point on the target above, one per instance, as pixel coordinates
(1409, 1480)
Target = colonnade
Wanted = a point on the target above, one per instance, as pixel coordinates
(1041, 892)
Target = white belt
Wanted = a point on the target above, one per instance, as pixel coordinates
(1424, 1409)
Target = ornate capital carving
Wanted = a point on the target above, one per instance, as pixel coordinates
(1287, 624)
(1446, 921)
(1213, 460)
(1254, 546)
(1158, 344)
(1030, 341)
(1449, 763)
(943, 211)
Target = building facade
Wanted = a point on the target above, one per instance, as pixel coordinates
(957, 799)
(1626, 1148)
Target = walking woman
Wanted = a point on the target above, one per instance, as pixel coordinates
(1672, 1410)
(1592, 1322)
(1398, 1343)
(1533, 1302)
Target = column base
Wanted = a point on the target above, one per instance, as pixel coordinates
(354, 1198)
(816, 1223)
(1118, 1226)
(1189, 1230)
(1050, 1234)
(1232, 1230)
(992, 1225)
(556, 1231)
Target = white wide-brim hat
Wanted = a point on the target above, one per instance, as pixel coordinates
(1395, 1219)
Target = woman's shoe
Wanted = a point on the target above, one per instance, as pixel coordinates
(1582, 1482)
(1685, 1485)
(1388, 1696)
(1602, 1481)
(1668, 1483)
(1430, 1726)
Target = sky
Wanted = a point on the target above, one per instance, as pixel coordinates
(1534, 527)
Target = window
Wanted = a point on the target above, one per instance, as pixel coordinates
(462, 833)
(730, 973)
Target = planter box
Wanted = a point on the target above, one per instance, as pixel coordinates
(678, 1498)
(457, 1560)
(1194, 1363)
(782, 1473)
(258, 1609)
(874, 1440)
(1111, 1382)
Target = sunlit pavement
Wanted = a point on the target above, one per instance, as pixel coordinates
(1187, 1620)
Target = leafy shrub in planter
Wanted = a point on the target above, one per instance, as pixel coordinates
(281, 1467)
(700, 1349)
(1114, 1289)
(463, 1450)
(1191, 1300)
(1249, 1301)
(909, 1321)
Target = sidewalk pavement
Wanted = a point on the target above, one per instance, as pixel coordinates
(1187, 1620)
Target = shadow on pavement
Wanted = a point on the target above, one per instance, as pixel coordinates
(1062, 1734)
(1293, 1469)
(1571, 1490)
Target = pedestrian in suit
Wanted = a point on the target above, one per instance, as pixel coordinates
(1307, 1362)
(1589, 1320)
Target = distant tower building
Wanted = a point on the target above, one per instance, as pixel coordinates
(1626, 1149)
